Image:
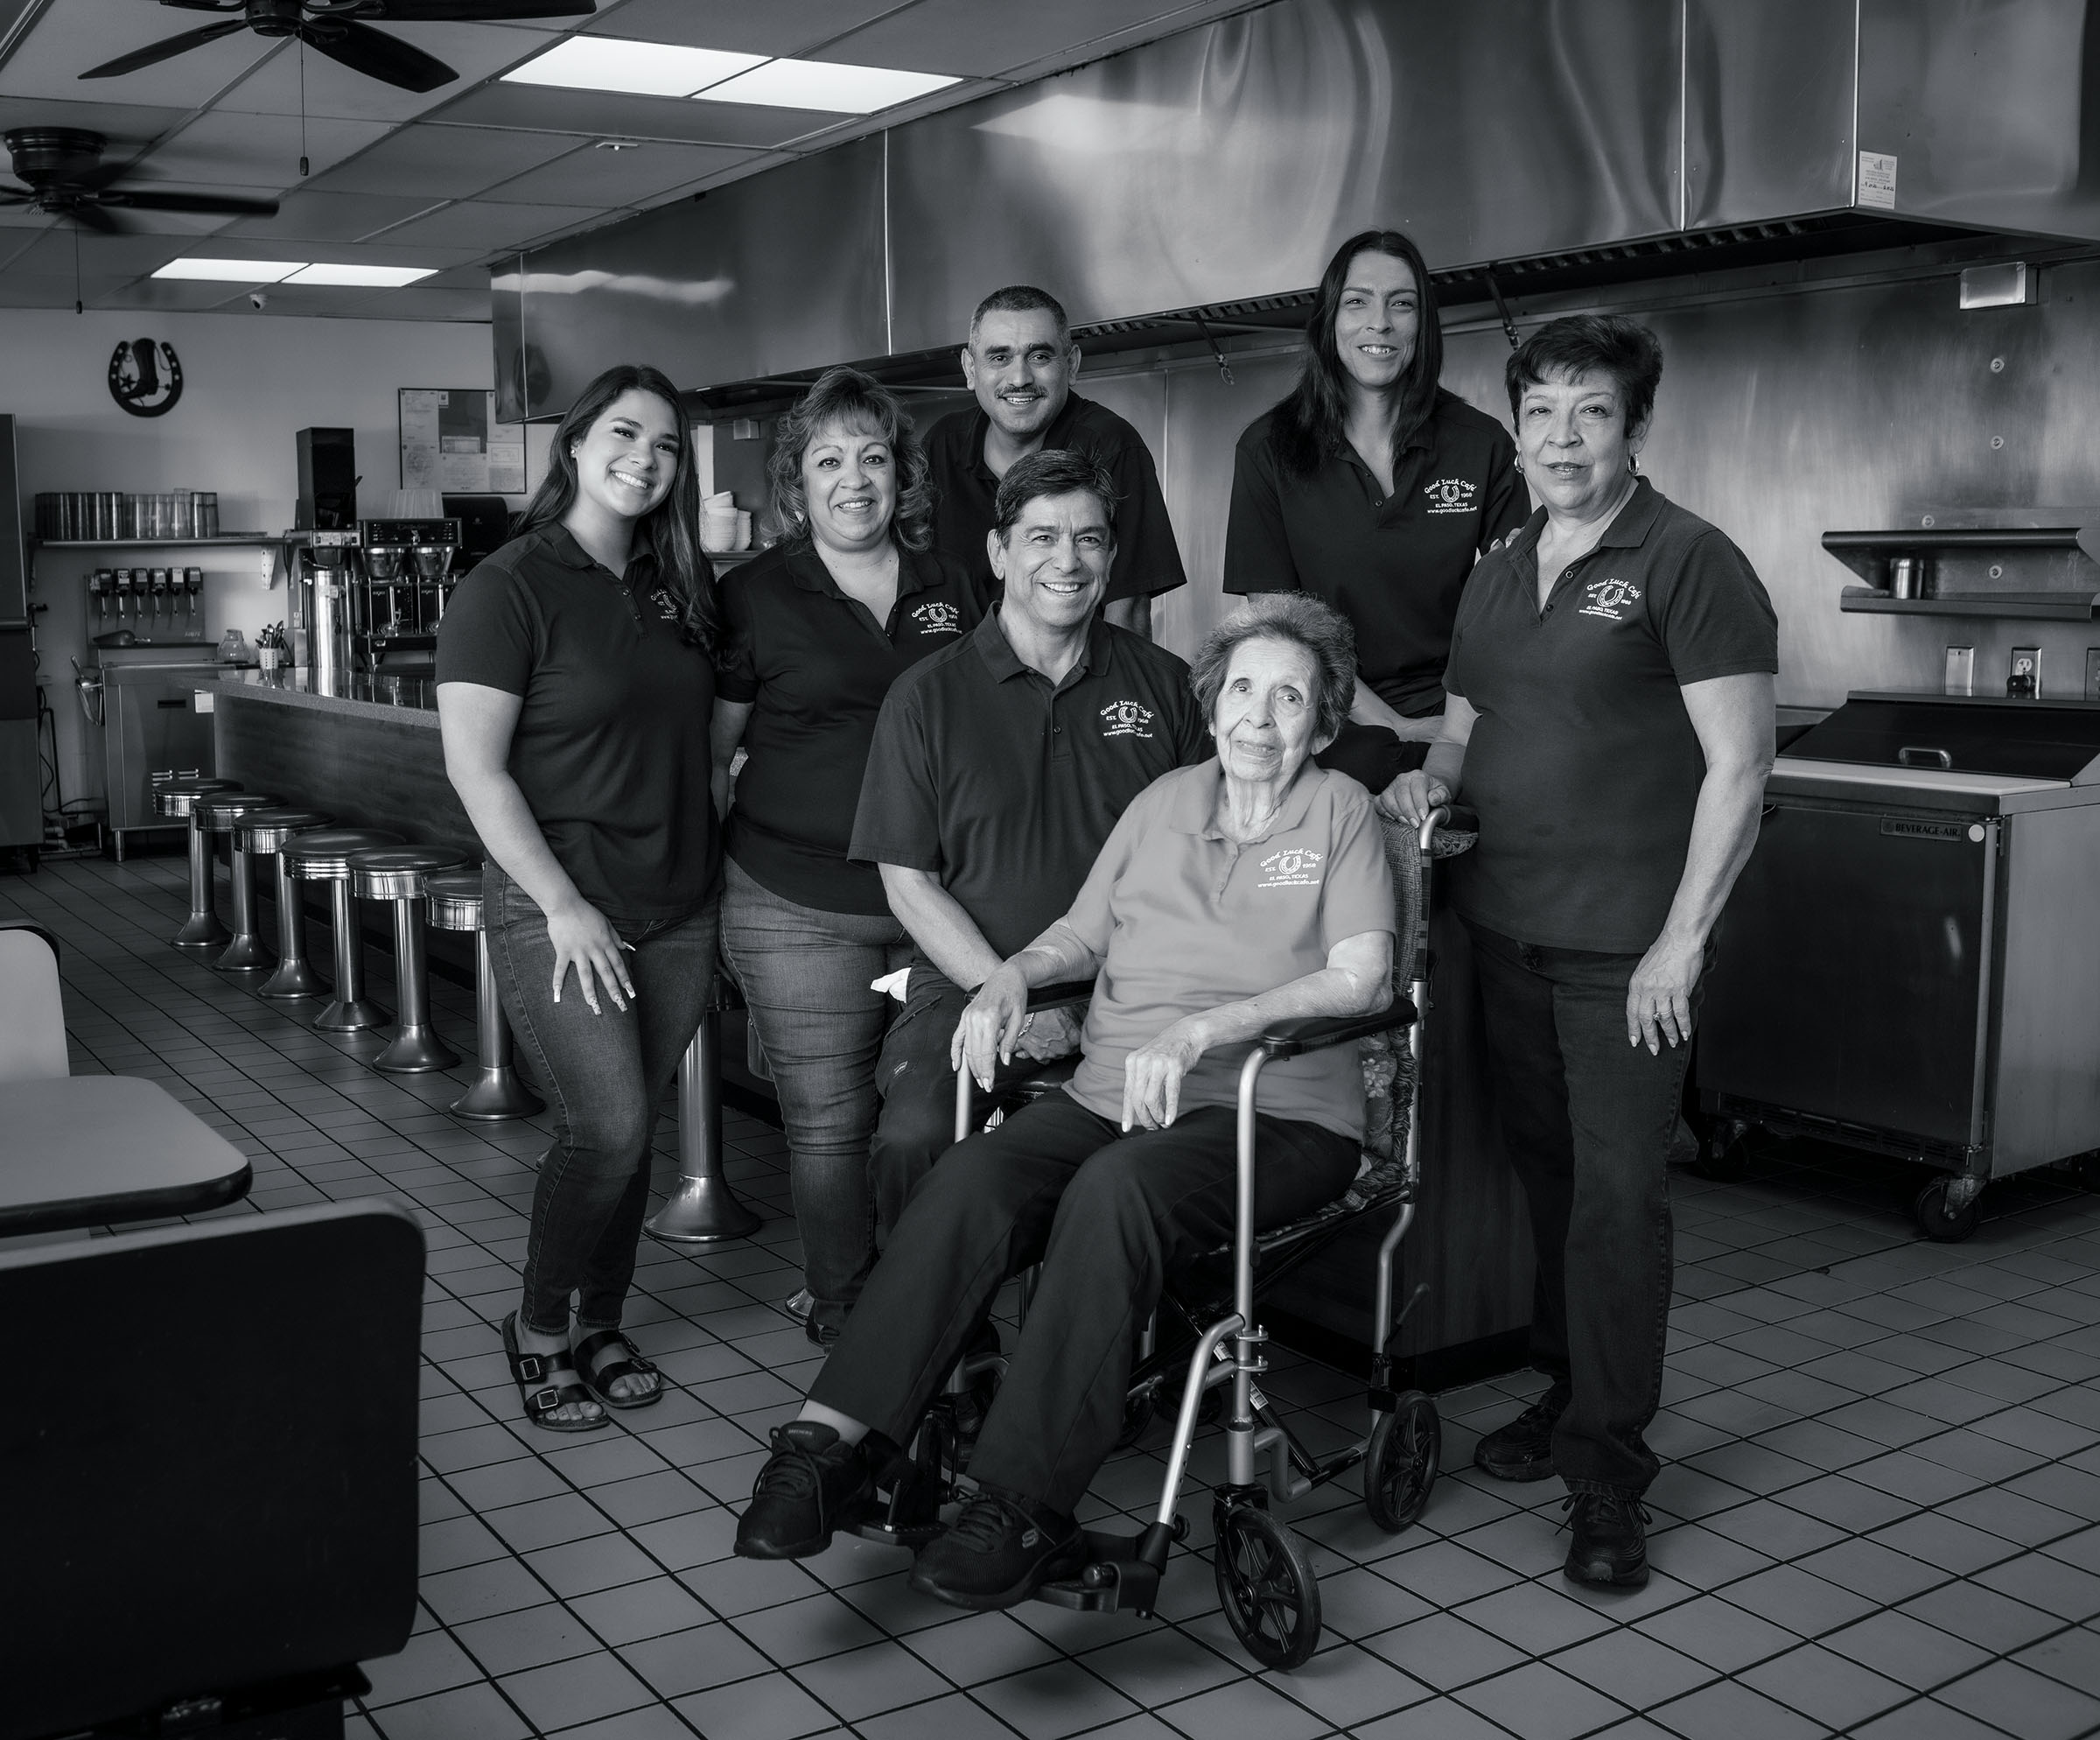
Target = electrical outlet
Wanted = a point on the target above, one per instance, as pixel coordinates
(2023, 673)
(2092, 673)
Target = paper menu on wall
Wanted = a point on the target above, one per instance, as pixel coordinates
(452, 442)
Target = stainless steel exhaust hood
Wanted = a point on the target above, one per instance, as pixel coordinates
(1581, 139)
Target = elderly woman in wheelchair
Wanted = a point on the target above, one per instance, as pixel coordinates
(1232, 897)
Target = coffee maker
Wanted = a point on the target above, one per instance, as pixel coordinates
(406, 578)
(323, 600)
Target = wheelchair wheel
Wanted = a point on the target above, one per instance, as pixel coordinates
(1138, 1409)
(1401, 1464)
(1265, 1581)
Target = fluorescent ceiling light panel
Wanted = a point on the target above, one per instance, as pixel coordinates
(232, 271)
(375, 277)
(825, 85)
(608, 63)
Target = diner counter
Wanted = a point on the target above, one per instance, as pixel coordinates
(405, 700)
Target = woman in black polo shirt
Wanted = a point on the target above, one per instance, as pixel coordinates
(815, 632)
(575, 685)
(1611, 720)
(1375, 488)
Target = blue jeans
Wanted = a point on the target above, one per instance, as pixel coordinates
(1589, 1122)
(603, 1075)
(805, 974)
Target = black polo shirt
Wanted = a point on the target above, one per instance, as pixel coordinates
(610, 749)
(1583, 764)
(1147, 560)
(1005, 788)
(1393, 565)
(814, 664)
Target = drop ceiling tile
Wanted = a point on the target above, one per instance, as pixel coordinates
(596, 176)
(785, 27)
(484, 224)
(101, 256)
(1183, 17)
(305, 215)
(174, 296)
(444, 162)
(600, 114)
(24, 291)
(254, 151)
(425, 302)
(474, 52)
(72, 37)
(966, 36)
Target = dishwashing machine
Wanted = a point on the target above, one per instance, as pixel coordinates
(1910, 962)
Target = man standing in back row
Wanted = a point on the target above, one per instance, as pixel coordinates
(1021, 363)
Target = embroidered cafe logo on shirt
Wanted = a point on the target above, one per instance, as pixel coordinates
(1126, 719)
(938, 617)
(667, 606)
(1450, 496)
(1293, 868)
(1609, 599)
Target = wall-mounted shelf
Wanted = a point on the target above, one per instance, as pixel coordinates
(248, 540)
(2064, 606)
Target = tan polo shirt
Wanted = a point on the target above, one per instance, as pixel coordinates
(1188, 920)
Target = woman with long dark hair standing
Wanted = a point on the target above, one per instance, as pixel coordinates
(575, 685)
(1373, 488)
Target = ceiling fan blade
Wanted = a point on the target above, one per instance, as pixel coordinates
(208, 205)
(470, 11)
(8, 197)
(377, 55)
(166, 49)
(91, 216)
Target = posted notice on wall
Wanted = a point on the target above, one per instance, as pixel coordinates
(452, 442)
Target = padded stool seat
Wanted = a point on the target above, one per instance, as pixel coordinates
(455, 897)
(177, 800)
(396, 873)
(324, 856)
(266, 832)
(219, 812)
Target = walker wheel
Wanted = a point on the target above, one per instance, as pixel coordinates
(1266, 1583)
(1942, 1221)
(1400, 1466)
(1138, 1408)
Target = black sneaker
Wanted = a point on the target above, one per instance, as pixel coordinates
(1610, 1547)
(998, 1552)
(1524, 1448)
(795, 1502)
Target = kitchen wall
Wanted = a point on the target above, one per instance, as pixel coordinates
(1780, 416)
(248, 384)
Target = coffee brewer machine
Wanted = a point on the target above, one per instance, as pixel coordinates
(401, 593)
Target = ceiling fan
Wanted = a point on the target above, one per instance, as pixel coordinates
(336, 28)
(66, 178)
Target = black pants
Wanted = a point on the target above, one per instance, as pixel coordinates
(1589, 1121)
(1109, 1217)
(917, 1123)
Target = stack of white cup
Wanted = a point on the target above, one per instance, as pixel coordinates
(723, 527)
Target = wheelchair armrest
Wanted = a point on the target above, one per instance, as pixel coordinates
(1313, 1033)
(1059, 996)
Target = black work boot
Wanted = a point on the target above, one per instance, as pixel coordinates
(795, 1502)
(998, 1552)
(1610, 1547)
(1524, 1448)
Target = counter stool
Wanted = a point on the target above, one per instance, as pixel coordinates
(324, 856)
(497, 1092)
(176, 799)
(219, 812)
(396, 873)
(266, 832)
(701, 1209)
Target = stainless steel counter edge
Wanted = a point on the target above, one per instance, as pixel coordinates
(285, 688)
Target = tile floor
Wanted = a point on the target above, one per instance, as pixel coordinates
(1879, 1515)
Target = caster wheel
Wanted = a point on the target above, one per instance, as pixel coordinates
(2086, 1169)
(1724, 1156)
(1401, 1465)
(1265, 1581)
(1938, 1220)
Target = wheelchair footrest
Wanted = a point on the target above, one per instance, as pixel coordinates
(1114, 1579)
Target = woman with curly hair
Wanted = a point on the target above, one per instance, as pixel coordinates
(815, 631)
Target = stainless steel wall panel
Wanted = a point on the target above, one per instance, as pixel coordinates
(1229, 161)
(2046, 1092)
(765, 277)
(1767, 108)
(1988, 107)
(506, 336)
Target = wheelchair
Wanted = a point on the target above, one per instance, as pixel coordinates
(1264, 1574)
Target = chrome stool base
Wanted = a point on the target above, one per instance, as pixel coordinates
(291, 981)
(497, 1093)
(414, 1051)
(703, 1209)
(357, 1015)
(246, 954)
(203, 931)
